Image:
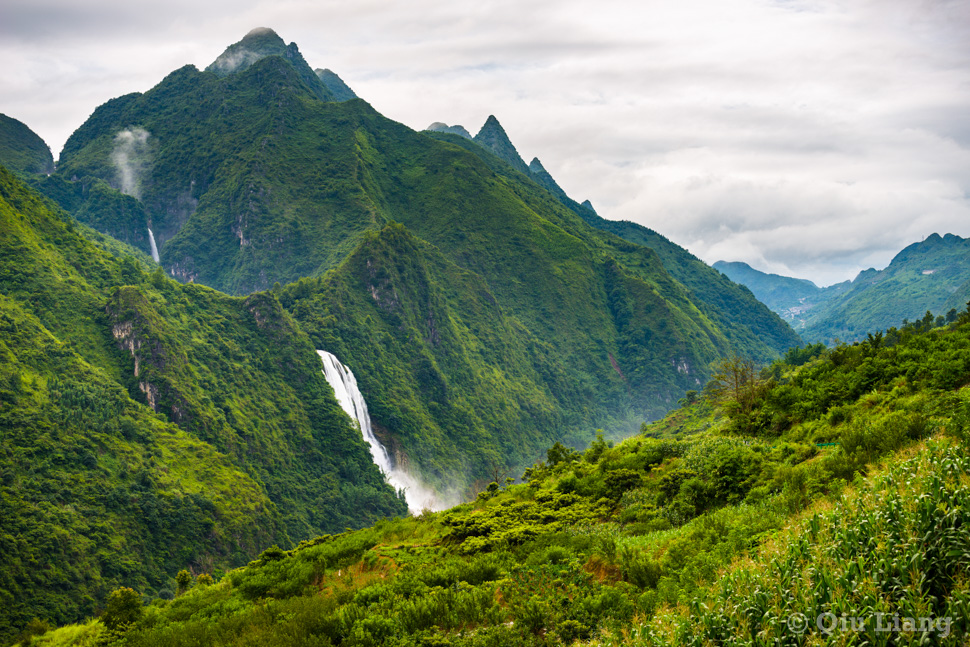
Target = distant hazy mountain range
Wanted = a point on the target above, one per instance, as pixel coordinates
(932, 275)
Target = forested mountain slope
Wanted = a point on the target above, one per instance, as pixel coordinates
(22, 150)
(100, 360)
(250, 175)
(729, 305)
(833, 481)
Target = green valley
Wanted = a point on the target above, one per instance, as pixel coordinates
(832, 482)
(485, 315)
(279, 370)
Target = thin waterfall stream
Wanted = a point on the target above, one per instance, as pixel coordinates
(151, 241)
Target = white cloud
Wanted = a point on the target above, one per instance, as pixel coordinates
(812, 137)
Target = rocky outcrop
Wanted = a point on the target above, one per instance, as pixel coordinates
(132, 329)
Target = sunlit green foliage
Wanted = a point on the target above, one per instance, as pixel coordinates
(895, 554)
(656, 540)
(122, 609)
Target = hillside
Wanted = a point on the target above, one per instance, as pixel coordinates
(250, 174)
(836, 485)
(22, 150)
(149, 425)
(929, 276)
(730, 306)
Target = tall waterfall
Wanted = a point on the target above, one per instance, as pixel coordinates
(151, 241)
(344, 384)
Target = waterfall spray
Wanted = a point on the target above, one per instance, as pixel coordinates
(344, 384)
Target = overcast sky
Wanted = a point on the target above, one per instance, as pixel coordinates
(808, 138)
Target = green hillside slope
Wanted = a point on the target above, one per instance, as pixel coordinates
(732, 307)
(456, 387)
(659, 539)
(745, 321)
(933, 275)
(98, 486)
(22, 150)
(96, 491)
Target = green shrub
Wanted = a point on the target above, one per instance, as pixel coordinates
(122, 609)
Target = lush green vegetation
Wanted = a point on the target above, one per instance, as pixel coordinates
(22, 151)
(457, 389)
(157, 434)
(99, 359)
(706, 528)
(886, 566)
(96, 490)
(97, 205)
(733, 309)
(469, 374)
(249, 179)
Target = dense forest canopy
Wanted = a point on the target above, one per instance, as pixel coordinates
(830, 483)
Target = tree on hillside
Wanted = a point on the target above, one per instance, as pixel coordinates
(734, 385)
(184, 580)
(122, 610)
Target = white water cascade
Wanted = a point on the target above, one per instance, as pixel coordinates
(151, 241)
(344, 384)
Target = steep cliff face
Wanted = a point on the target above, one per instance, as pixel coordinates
(137, 332)
(241, 375)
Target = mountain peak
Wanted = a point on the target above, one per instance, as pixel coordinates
(263, 42)
(492, 131)
(261, 32)
(542, 176)
(254, 46)
(493, 137)
(457, 129)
